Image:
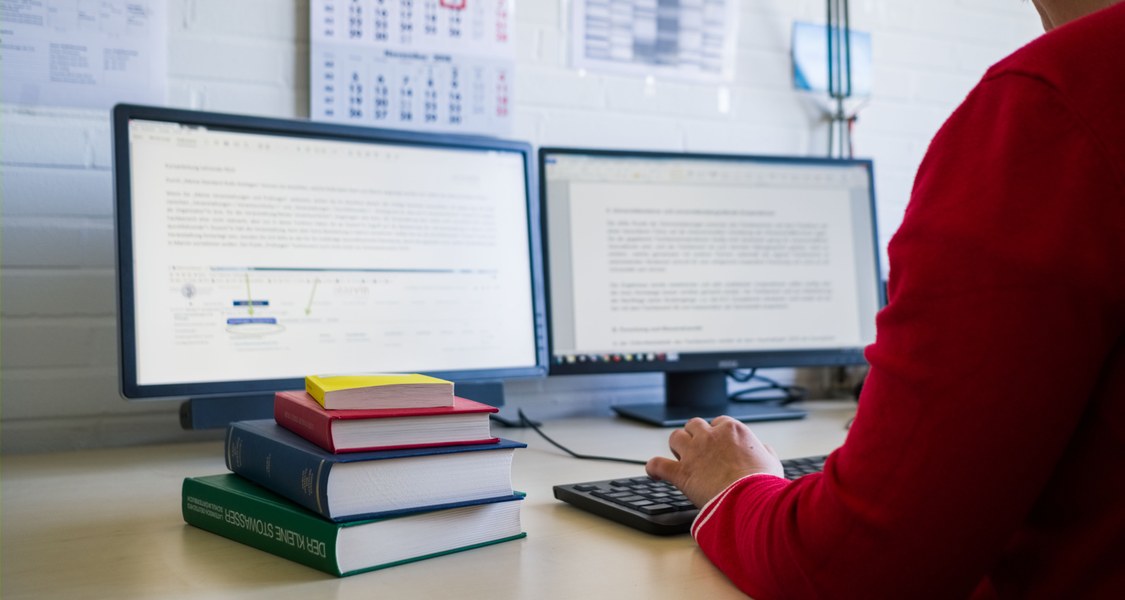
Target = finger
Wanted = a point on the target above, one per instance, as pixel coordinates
(697, 426)
(678, 441)
(724, 420)
(665, 469)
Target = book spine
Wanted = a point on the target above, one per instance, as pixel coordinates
(280, 468)
(289, 534)
(315, 391)
(310, 424)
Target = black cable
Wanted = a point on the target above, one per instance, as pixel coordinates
(534, 425)
(529, 423)
(786, 394)
(739, 377)
(789, 393)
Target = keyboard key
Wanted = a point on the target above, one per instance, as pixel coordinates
(657, 509)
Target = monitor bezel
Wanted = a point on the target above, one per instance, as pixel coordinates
(706, 361)
(130, 389)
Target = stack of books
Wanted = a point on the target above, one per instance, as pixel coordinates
(357, 473)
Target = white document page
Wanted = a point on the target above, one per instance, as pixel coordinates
(736, 268)
(83, 54)
(261, 257)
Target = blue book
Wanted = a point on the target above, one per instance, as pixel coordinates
(367, 485)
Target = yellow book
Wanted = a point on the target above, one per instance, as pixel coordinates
(379, 390)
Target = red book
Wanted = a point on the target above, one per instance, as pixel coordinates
(466, 422)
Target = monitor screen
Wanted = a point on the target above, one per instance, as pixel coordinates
(253, 252)
(697, 264)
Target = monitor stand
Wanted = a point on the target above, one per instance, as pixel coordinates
(492, 394)
(213, 412)
(704, 395)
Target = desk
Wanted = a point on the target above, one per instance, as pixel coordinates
(107, 524)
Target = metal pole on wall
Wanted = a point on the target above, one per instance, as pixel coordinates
(839, 78)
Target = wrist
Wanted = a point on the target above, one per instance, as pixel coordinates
(711, 505)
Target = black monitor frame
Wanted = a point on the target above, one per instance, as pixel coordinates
(214, 404)
(696, 384)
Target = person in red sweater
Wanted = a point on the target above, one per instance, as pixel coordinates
(987, 456)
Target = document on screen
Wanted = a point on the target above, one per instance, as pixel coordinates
(733, 268)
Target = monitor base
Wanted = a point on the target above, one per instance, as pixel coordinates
(485, 392)
(214, 412)
(677, 416)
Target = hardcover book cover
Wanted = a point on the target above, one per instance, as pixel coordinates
(360, 485)
(233, 507)
(466, 422)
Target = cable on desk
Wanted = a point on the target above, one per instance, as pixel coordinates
(529, 423)
(788, 393)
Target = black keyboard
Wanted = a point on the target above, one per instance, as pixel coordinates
(651, 506)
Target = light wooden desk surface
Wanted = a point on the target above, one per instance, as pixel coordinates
(107, 524)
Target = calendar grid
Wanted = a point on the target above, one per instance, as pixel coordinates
(437, 65)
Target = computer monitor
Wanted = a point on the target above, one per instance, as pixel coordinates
(696, 265)
(252, 252)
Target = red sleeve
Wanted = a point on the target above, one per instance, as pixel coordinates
(1001, 270)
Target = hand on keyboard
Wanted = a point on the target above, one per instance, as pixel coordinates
(655, 507)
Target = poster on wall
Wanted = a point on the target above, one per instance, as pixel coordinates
(692, 40)
(429, 65)
(83, 54)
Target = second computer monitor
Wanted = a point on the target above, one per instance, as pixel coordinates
(695, 265)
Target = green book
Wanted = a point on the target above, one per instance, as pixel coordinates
(235, 508)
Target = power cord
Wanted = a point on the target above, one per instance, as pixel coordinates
(788, 393)
(532, 424)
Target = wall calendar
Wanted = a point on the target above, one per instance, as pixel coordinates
(427, 65)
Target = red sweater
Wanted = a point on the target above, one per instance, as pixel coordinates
(988, 454)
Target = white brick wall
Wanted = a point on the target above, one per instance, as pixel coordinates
(57, 308)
